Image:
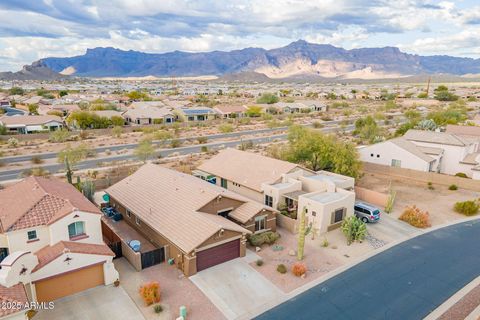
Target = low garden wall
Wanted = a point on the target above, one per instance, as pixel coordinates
(135, 258)
(423, 177)
(287, 223)
(373, 197)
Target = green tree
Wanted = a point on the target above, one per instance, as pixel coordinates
(117, 121)
(422, 95)
(33, 109)
(74, 154)
(17, 91)
(144, 150)
(59, 136)
(3, 129)
(63, 93)
(354, 229)
(268, 98)
(331, 96)
(318, 151)
(137, 95)
(254, 111)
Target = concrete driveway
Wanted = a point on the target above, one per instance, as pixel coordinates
(391, 229)
(235, 287)
(103, 302)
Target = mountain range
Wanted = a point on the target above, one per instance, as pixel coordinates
(299, 59)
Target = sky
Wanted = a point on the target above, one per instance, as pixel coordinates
(35, 29)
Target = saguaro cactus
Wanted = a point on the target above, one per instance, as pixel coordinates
(302, 232)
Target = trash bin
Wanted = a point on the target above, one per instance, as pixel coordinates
(183, 312)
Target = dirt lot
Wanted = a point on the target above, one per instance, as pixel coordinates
(438, 202)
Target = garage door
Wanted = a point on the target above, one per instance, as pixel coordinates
(69, 283)
(218, 254)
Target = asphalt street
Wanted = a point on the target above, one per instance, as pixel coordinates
(93, 163)
(405, 282)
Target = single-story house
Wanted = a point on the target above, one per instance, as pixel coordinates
(422, 150)
(65, 109)
(145, 114)
(51, 242)
(31, 124)
(285, 186)
(230, 111)
(199, 224)
(196, 113)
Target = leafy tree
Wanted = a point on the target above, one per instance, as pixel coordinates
(117, 121)
(445, 96)
(33, 109)
(268, 98)
(63, 93)
(17, 91)
(254, 111)
(451, 115)
(318, 151)
(144, 150)
(404, 128)
(331, 96)
(422, 95)
(88, 120)
(74, 154)
(137, 95)
(367, 129)
(3, 129)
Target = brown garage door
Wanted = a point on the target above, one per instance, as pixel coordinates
(69, 283)
(218, 254)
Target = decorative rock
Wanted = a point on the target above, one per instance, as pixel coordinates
(292, 253)
(258, 249)
(303, 276)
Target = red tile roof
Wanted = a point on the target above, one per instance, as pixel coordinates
(38, 201)
(49, 253)
(15, 294)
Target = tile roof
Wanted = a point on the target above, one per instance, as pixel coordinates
(38, 201)
(14, 294)
(463, 130)
(29, 120)
(225, 109)
(168, 201)
(436, 137)
(244, 212)
(411, 148)
(49, 253)
(246, 168)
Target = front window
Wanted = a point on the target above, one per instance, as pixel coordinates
(76, 229)
(260, 223)
(338, 215)
(269, 201)
(32, 235)
(223, 183)
(396, 163)
(137, 220)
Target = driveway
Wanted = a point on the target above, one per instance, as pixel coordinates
(235, 287)
(389, 229)
(103, 302)
(407, 281)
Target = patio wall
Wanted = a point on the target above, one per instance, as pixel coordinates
(133, 257)
(423, 177)
(287, 223)
(370, 196)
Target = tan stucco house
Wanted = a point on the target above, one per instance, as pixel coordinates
(51, 242)
(199, 224)
(285, 186)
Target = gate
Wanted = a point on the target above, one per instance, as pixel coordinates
(153, 257)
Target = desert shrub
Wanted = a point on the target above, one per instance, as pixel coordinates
(13, 142)
(36, 160)
(299, 269)
(175, 143)
(259, 239)
(430, 186)
(225, 128)
(202, 140)
(117, 131)
(259, 262)
(150, 292)
(468, 208)
(204, 149)
(354, 229)
(325, 243)
(281, 268)
(58, 136)
(245, 145)
(453, 187)
(317, 124)
(416, 217)
(157, 308)
(461, 175)
(83, 134)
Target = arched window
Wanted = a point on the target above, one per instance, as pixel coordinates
(76, 229)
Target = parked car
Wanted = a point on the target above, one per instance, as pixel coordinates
(366, 213)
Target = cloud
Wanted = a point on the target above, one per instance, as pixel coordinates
(34, 29)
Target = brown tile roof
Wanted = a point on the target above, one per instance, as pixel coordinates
(244, 212)
(168, 201)
(14, 294)
(463, 130)
(29, 120)
(246, 168)
(49, 253)
(226, 109)
(38, 201)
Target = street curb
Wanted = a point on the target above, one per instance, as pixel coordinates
(444, 307)
(262, 309)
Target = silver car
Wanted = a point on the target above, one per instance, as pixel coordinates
(367, 213)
